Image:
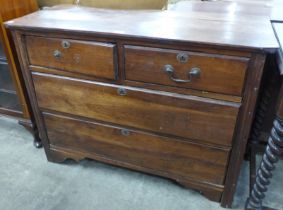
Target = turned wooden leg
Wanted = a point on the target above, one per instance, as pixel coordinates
(33, 130)
(266, 97)
(273, 150)
(255, 134)
(252, 166)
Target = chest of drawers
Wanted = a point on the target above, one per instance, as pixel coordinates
(145, 90)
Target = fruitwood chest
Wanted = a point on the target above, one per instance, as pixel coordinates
(165, 93)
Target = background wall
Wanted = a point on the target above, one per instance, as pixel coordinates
(117, 4)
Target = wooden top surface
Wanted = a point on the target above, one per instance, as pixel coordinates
(273, 9)
(196, 27)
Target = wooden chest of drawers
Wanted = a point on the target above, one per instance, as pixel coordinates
(173, 103)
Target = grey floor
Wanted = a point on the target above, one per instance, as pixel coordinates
(29, 182)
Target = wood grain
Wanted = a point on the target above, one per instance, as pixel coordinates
(16, 8)
(89, 58)
(246, 115)
(185, 91)
(138, 148)
(152, 25)
(211, 191)
(222, 74)
(143, 108)
(195, 118)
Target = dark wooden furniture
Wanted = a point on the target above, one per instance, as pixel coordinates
(156, 91)
(13, 96)
(271, 104)
(271, 82)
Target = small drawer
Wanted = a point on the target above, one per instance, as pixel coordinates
(83, 57)
(194, 118)
(141, 149)
(207, 72)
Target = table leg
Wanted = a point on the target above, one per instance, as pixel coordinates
(271, 156)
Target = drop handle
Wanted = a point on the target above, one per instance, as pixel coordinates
(193, 73)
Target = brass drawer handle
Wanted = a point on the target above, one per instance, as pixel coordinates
(57, 54)
(194, 73)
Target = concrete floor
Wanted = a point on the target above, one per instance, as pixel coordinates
(29, 182)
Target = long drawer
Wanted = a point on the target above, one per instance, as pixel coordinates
(171, 156)
(165, 113)
(185, 69)
(75, 56)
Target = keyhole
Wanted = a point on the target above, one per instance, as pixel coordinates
(182, 58)
(66, 44)
(125, 132)
(122, 91)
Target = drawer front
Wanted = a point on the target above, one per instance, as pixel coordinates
(83, 57)
(208, 72)
(141, 149)
(160, 112)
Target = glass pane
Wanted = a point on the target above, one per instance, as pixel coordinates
(6, 82)
(2, 54)
(8, 97)
(9, 101)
